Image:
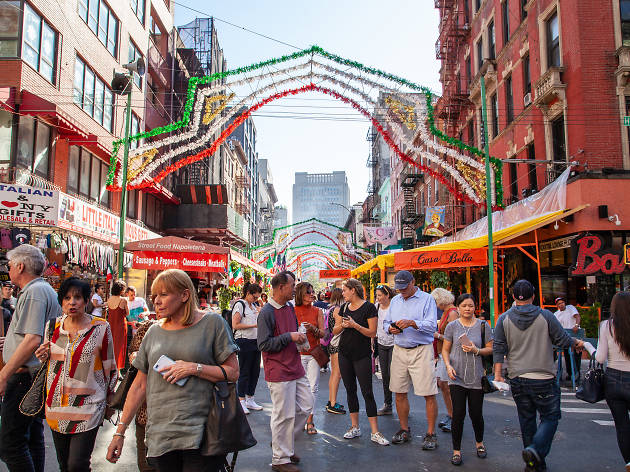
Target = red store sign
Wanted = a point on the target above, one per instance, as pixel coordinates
(593, 258)
(445, 259)
(188, 261)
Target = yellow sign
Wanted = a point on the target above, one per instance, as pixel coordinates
(626, 254)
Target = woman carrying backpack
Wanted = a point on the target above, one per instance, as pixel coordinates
(245, 325)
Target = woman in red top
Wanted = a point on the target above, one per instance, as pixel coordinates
(117, 312)
(313, 319)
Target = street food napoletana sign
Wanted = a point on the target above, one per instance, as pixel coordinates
(446, 259)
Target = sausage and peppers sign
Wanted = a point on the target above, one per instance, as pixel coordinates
(187, 261)
(445, 259)
(593, 257)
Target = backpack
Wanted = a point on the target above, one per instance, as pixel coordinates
(227, 314)
(89, 308)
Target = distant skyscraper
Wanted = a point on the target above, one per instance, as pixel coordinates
(321, 196)
(280, 216)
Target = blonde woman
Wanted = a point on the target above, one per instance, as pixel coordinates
(356, 321)
(201, 349)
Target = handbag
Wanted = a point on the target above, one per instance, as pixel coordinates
(486, 385)
(592, 388)
(320, 356)
(227, 429)
(33, 402)
(117, 401)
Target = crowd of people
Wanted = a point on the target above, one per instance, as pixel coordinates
(432, 343)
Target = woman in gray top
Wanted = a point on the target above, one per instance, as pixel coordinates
(464, 344)
(198, 344)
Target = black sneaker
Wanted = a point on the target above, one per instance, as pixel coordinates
(531, 459)
(335, 409)
(430, 442)
(402, 436)
(443, 421)
(386, 409)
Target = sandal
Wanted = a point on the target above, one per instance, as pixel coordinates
(456, 459)
(310, 428)
(481, 452)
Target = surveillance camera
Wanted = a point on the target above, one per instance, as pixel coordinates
(555, 226)
(618, 222)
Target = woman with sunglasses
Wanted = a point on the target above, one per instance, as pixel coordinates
(313, 319)
(385, 342)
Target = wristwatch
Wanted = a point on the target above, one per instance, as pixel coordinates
(199, 369)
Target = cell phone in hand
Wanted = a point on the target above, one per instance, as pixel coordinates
(396, 326)
(464, 340)
(165, 361)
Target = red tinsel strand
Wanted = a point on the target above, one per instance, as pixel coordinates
(326, 236)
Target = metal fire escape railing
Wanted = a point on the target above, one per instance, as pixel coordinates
(454, 29)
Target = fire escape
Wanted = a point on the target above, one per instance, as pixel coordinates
(243, 183)
(454, 29)
(410, 216)
(372, 163)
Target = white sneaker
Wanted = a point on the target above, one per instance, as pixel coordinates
(244, 405)
(252, 405)
(353, 432)
(378, 438)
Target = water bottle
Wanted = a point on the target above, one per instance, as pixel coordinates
(305, 346)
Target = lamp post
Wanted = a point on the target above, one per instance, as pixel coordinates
(122, 85)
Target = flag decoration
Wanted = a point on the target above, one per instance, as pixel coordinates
(109, 273)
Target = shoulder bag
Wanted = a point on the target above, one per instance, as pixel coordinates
(32, 403)
(486, 385)
(227, 429)
(592, 388)
(117, 401)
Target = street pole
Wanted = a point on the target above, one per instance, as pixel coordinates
(486, 150)
(123, 192)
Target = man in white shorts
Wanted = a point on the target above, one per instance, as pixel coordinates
(412, 320)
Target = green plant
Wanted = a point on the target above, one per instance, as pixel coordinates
(375, 279)
(247, 274)
(589, 320)
(225, 296)
(234, 265)
(439, 278)
(364, 278)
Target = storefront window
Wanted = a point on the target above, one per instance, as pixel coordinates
(33, 146)
(84, 182)
(89, 176)
(6, 136)
(104, 195)
(42, 145)
(73, 169)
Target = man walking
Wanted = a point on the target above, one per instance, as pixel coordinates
(525, 336)
(569, 318)
(412, 319)
(290, 391)
(22, 437)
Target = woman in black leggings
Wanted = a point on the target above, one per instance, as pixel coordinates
(356, 321)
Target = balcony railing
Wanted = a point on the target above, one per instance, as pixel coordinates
(549, 86)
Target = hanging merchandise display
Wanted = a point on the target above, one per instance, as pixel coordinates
(403, 116)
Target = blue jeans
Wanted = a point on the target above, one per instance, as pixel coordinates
(540, 397)
(249, 364)
(617, 391)
(22, 446)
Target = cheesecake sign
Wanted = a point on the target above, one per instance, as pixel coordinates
(188, 261)
(21, 204)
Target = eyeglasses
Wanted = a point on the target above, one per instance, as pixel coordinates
(309, 292)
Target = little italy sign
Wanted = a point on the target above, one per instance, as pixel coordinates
(446, 259)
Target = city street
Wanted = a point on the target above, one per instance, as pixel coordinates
(585, 440)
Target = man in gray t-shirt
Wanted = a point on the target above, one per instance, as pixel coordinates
(22, 437)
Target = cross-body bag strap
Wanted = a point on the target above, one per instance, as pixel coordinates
(224, 373)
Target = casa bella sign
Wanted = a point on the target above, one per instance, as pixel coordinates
(445, 259)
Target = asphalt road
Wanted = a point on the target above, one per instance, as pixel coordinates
(585, 440)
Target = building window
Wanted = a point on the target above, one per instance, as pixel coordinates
(513, 181)
(624, 10)
(553, 41)
(477, 5)
(505, 18)
(523, 9)
(557, 136)
(527, 78)
(33, 151)
(93, 95)
(39, 44)
(151, 211)
(471, 133)
(9, 28)
(132, 204)
(494, 105)
(101, 20)
(135, 129)
(138, 7)
(6, 137)
(532, 169)
(491, 41)
(87, 176)
(468, 70)
(509, 100)
(134, 53)
(467, 11)
(479, 54)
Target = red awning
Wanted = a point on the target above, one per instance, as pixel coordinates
(67, 127)
(175, 244)
(7, 98)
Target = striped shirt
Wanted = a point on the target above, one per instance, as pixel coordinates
(82, 374)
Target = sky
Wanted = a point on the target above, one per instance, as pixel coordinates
(314, 134)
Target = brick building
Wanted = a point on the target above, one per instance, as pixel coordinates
(556, 75)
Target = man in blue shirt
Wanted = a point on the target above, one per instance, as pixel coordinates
(412, 319)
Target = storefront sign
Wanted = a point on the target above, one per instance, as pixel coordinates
(21, 204)
(90, 220)
(592, 258)
(446, 259)
(189, 261)
(626, 254)
(335, 274)
(561, 243)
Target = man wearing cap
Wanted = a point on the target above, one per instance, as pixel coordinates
(412, 319)
(569, 318)
(524, 337)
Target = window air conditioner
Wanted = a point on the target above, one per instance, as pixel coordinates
(527, 99)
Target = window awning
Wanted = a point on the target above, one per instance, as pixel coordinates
(67, 127)
(7, 98)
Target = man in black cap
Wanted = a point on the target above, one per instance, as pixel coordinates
(525, 336)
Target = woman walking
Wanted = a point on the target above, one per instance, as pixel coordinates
(313, 320)
(244, 323)
(384, 295)
(614, 346)
(465, 340)
(81, 377)
(356, 321)
(336, 300)
(195, 348)
(117, 312)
